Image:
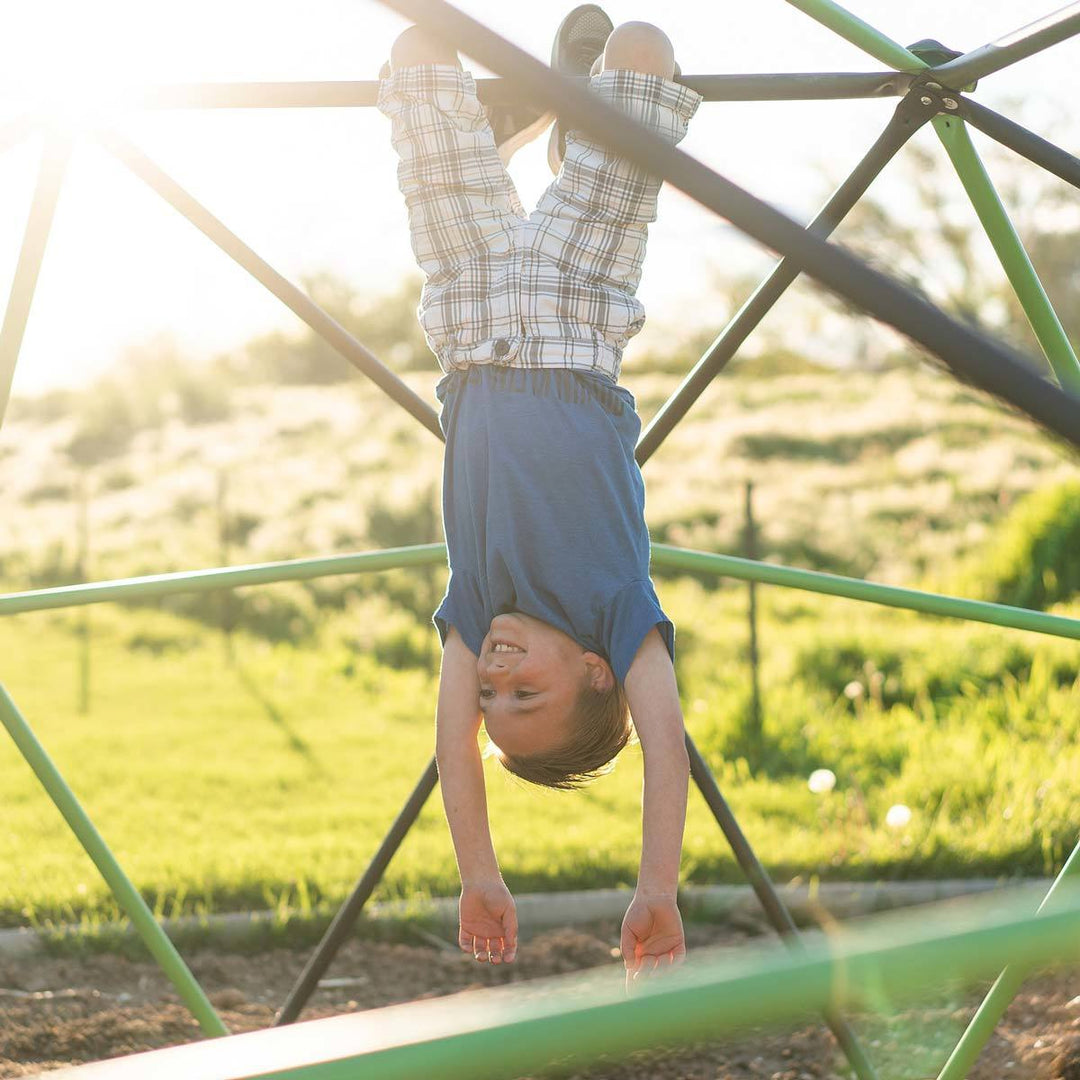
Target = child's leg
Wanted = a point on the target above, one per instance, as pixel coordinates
(591, 223)
(463, 208)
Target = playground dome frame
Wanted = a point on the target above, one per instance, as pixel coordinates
(933, 86)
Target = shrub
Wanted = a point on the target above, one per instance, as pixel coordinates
(386, 325)
(48, 492)
(202, 397)
(118, 479)
(1033, 560)
(282, 612)
(106, 424)
(381, 629)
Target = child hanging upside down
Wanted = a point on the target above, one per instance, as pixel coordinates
(552, 632)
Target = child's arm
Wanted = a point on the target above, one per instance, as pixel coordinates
(487, 918)
(652, 932)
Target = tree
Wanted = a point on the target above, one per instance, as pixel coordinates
(938, 247)
(386, 325)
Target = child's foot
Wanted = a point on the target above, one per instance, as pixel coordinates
(578, 50)
(415, 46)
(640, 46)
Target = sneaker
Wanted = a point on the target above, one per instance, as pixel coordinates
(578, 49)
(580, 40)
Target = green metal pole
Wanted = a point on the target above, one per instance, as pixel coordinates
(80, 824)
(230, 577)
(1005, 988)
(429, 554)
(859, 33)
(1010, 250)
(854, 589)
(515, 1031)
(1028, 40)
(54, 160)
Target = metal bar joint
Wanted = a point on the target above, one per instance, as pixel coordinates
(926, 97)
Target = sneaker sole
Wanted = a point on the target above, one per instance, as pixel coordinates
(602, 25)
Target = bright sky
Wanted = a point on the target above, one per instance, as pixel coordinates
(314, 189)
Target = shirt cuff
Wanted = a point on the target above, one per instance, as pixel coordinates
(661, 104)
(632, 613)
(446, 86)
(460, 609)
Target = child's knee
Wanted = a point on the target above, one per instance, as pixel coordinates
(640, 46)
(416, 46)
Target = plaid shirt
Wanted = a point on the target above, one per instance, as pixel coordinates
(555, 288)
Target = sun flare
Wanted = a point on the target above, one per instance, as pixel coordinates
(70, 59)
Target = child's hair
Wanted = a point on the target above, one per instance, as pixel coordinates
(602, 727)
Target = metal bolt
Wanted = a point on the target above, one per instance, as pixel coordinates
(950, 103)
(927, 100)
(933, 86)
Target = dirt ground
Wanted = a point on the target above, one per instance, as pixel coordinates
(62, 1011)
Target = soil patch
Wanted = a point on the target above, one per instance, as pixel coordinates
(58, 1011)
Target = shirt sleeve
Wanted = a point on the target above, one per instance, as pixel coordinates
(631, 614)
(461, 609)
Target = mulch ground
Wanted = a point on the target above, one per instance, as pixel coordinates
(59, 1011)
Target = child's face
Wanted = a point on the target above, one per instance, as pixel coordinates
(530, 677)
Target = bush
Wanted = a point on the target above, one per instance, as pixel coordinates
(842, 449)
(153, 383)
(387, 325)
(107, 422)
(899, 671)
(54, 566)
(381, 629)
(48, 492)
(278, 613)
(45, 408)
(1034, 559)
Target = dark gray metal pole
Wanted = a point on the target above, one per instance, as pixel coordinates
(1026, 143)
(770, 900)
(340, 929)
(799, 86)
(54, 159)
(908, 117)
(1009, 48)
(301, 304)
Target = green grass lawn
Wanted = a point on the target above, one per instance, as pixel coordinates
(270, 781)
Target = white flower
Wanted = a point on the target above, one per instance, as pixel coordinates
(821, 780)
(898, 816)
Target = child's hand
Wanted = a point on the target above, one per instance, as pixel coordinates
(488, 923)
(652, 936)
